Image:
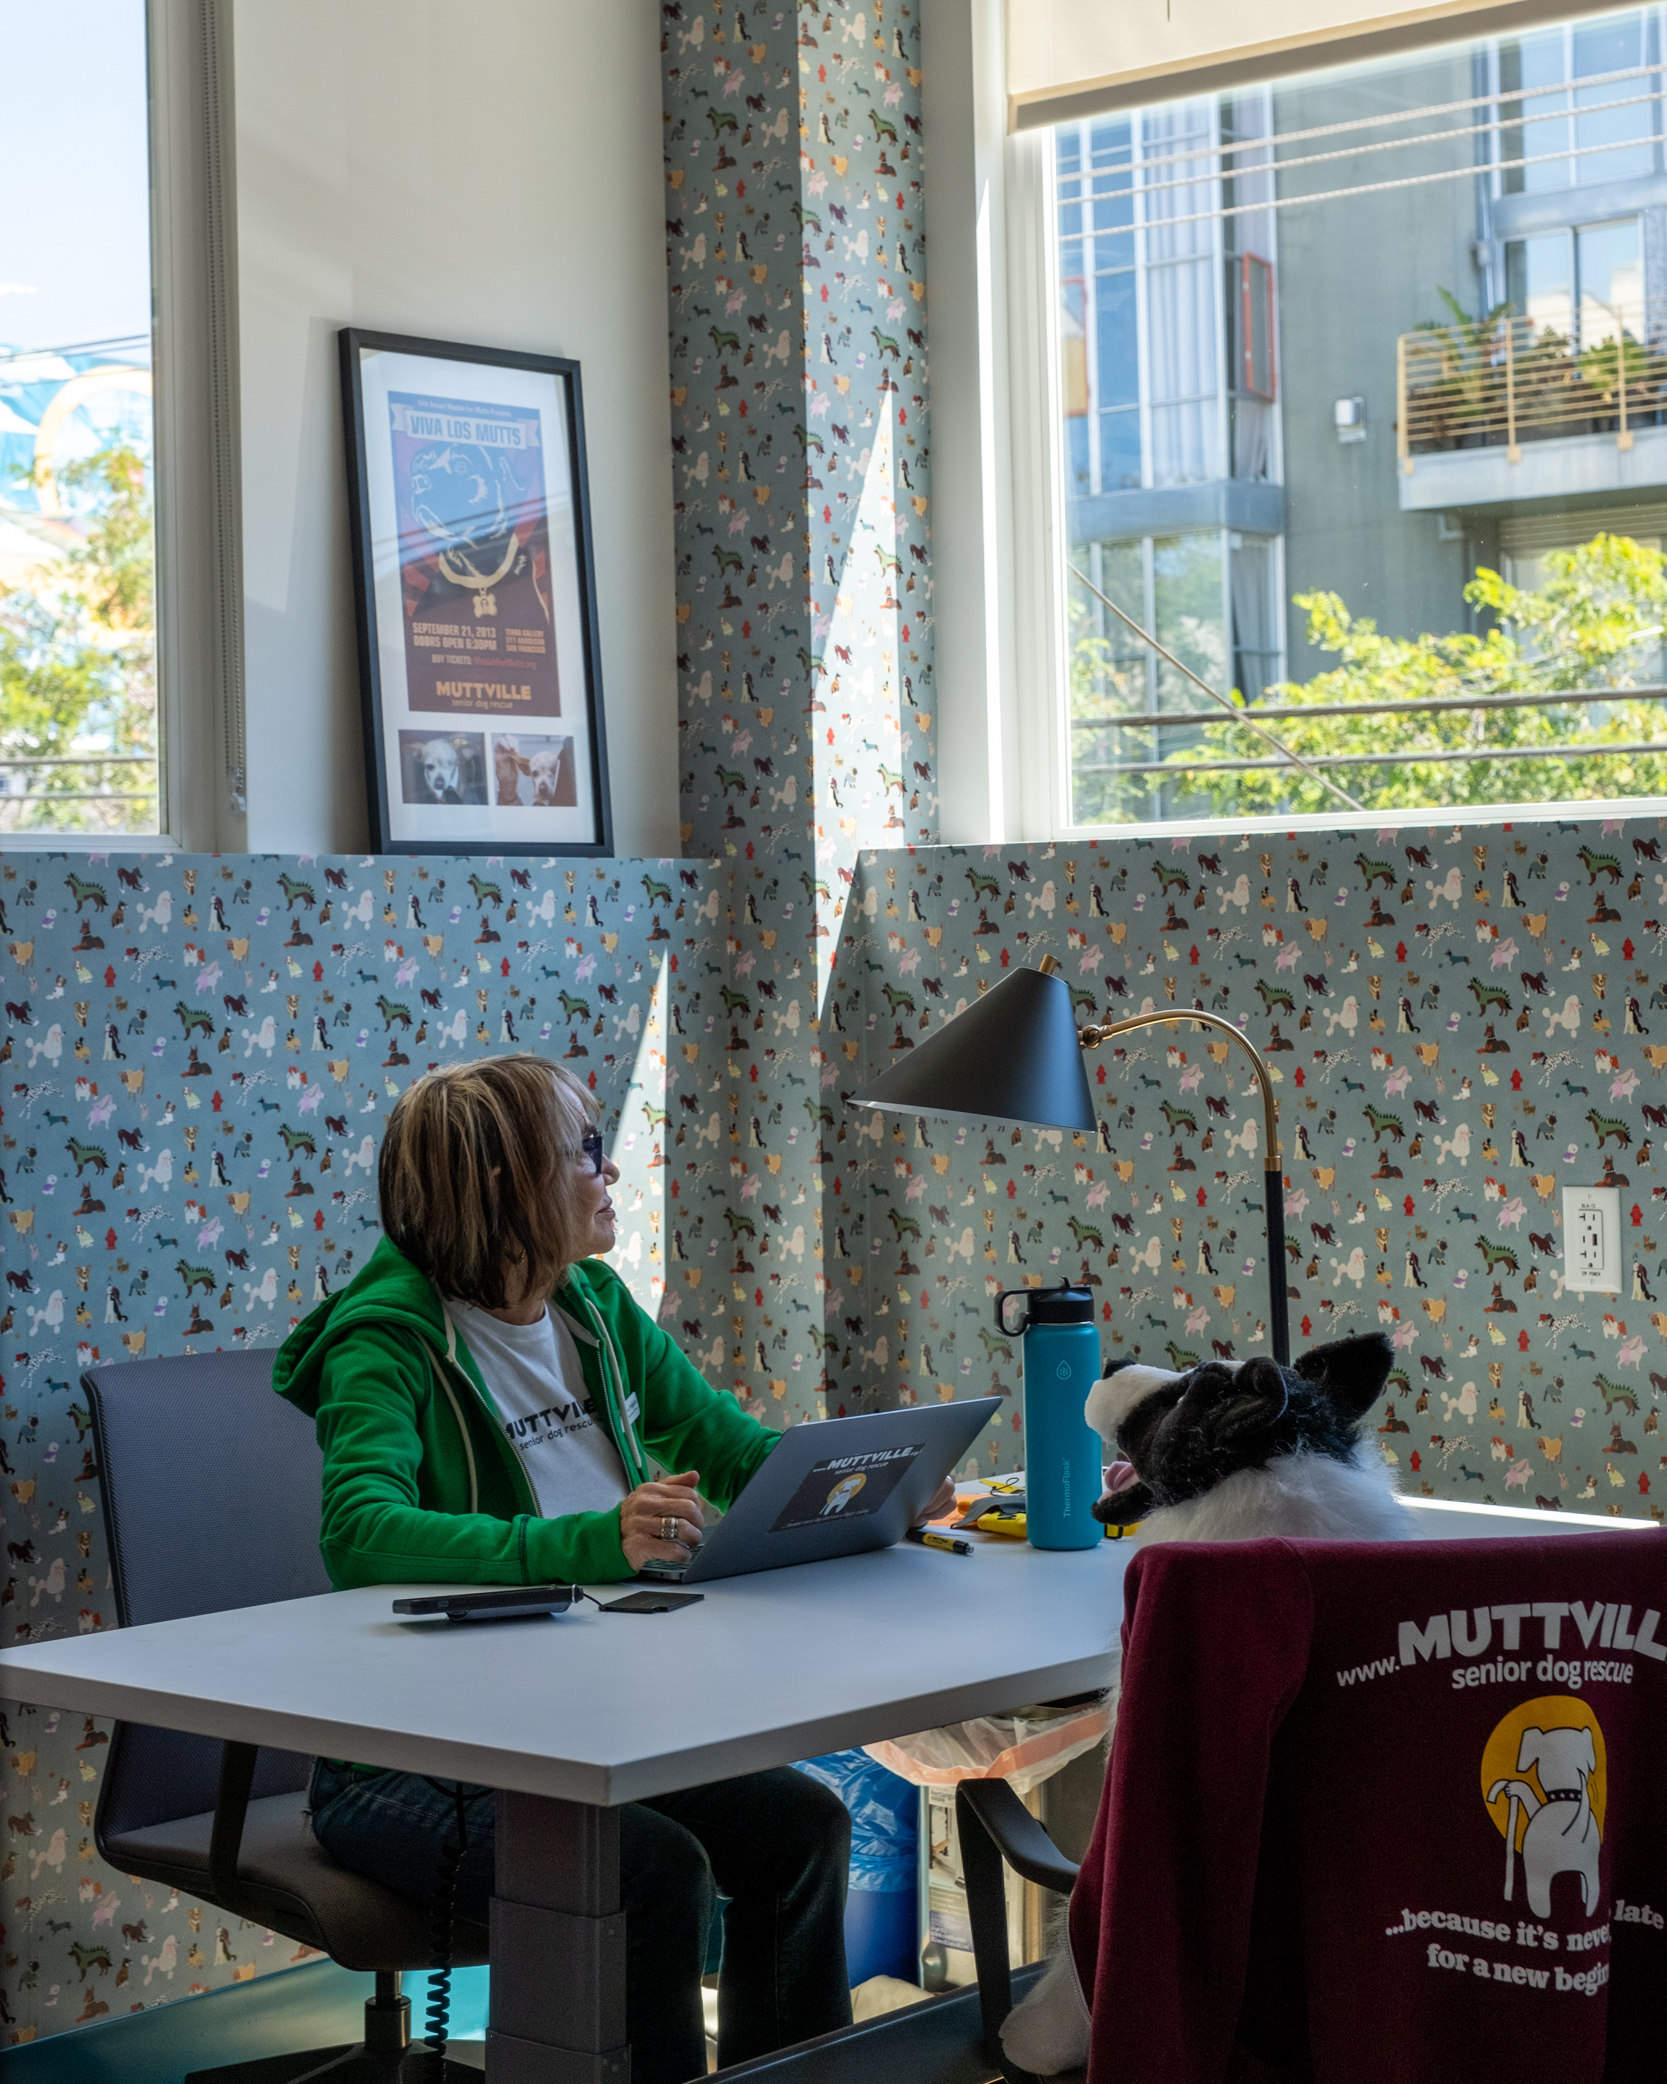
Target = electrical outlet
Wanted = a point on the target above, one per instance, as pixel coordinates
(1592, 1240)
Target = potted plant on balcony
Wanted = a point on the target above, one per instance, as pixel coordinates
(1621, 361)
(1457, 386)
(1552, 398)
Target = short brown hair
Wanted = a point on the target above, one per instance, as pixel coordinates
(477, 1180)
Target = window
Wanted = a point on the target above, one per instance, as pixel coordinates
(1579, 104)
(1583, 285)
(1253, 317)
(1326, 350)
(78, 684)
(1210, 599)
(1167, 327)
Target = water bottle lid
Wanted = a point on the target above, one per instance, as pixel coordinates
(1061, 1305)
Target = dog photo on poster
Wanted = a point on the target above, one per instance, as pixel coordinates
(474, 558)
(476, 596)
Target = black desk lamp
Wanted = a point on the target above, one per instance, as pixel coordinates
(1016, 1055)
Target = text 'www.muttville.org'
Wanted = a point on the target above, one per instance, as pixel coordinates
(1468, 1633)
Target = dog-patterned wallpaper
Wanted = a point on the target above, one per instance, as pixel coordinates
(796, 263)
(1462, 1021)
(198, 1055)
(796, 272)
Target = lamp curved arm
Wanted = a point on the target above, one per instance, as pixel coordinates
(1273, 1179)
(1091, 1038)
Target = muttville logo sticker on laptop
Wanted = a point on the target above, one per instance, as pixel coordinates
(846, 1487)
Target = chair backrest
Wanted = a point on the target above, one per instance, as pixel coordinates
(211, 1487)
(1353, 1783)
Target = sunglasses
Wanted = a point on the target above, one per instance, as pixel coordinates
(590, 1147)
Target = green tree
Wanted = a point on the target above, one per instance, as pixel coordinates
(1109, 680)
(1596, 623)
(78, 664)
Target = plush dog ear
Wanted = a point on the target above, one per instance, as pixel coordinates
(1350, 1372)
(1251, 1400)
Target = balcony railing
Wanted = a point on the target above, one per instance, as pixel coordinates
(1503, 381)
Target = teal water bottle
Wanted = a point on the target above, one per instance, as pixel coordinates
(1063, 1455)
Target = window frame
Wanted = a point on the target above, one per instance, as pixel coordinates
(199, 574)
(1248, 263)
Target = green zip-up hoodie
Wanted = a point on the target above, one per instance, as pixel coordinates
(421, 1485)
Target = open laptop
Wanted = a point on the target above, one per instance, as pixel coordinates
(836, 1488)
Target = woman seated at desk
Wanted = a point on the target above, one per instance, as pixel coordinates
(489, 1399)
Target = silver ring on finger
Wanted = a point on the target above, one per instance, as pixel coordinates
(668, 1528)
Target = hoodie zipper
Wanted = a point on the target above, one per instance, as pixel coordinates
(453, 1362)
(613, 1385)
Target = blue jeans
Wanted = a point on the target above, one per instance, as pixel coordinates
(777, 1844)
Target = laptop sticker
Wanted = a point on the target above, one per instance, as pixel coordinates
(846, 1487)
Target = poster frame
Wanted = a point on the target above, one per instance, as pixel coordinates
(353, 342)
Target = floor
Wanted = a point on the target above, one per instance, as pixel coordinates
(317, 2006)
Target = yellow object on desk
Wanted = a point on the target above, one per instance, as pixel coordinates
(1013, 1522)
(999, 1522)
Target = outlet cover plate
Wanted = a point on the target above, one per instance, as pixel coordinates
(1592, 1240)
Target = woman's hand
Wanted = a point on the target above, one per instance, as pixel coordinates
(942, 1505)
(647, 1510)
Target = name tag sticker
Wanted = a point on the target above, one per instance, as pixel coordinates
(633, 1410)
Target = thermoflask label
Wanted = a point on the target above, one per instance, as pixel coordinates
(1063, 1372)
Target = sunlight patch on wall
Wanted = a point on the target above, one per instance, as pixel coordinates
(638, 1149)
(865, 792)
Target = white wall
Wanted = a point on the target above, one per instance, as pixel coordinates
(489, 174)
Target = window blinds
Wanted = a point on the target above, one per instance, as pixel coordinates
(1072, 58)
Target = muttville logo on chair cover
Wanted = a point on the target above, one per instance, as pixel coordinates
(1544, 1774)
(1437, 1833)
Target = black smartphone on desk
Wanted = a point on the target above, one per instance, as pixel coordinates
(654, 1602)
(493, 1603)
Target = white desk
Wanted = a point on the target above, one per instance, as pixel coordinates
(571, 1717)
(610, 1708)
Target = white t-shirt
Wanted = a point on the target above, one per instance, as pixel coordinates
(548, 1417)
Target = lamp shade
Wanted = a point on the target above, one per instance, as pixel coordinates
(1013, 1055)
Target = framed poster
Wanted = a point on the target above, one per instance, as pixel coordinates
(479, 666)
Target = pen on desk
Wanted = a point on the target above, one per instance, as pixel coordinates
(938, 1541)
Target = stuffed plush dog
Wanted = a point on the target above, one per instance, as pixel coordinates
(1239, 1453)
(1225, 1453)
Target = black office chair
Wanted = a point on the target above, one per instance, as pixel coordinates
(995, 1828)
(211, 1489)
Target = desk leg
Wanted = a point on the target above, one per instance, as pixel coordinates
(558, 1946)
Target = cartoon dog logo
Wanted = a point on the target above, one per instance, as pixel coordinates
(1545, 1782)
(842, 1494)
